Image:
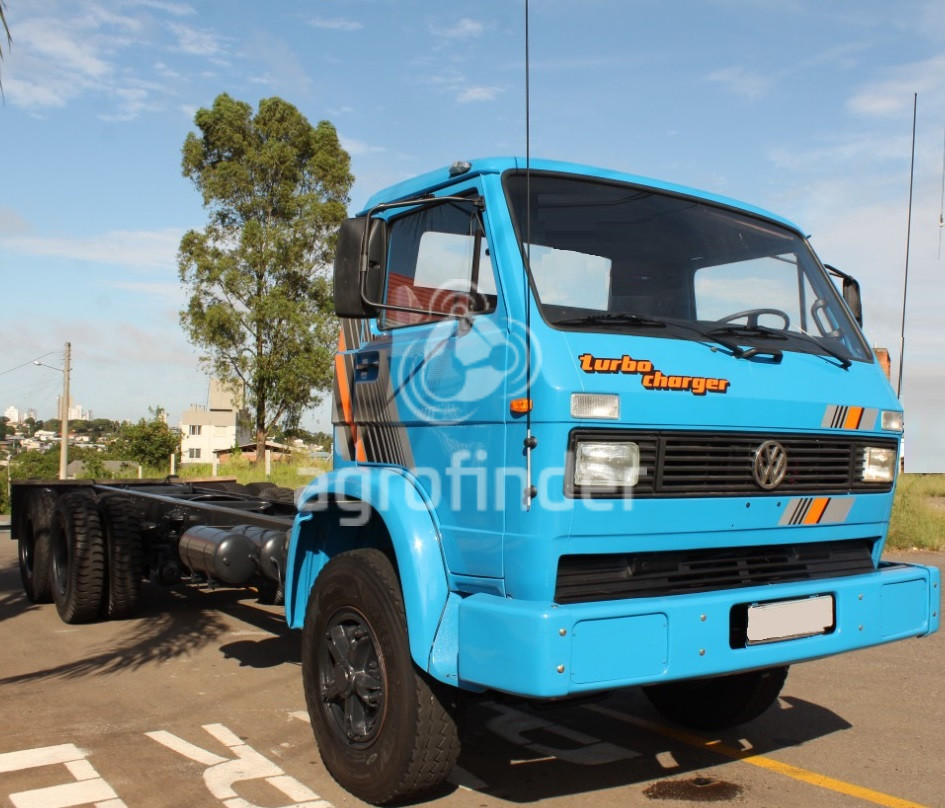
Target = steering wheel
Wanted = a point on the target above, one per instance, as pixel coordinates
(751, 317)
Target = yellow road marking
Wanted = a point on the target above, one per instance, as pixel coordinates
(794, 772)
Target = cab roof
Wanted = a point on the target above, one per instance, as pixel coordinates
(444, 177)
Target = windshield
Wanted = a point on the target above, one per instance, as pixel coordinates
(608, 256)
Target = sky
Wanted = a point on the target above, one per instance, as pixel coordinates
(799, 106)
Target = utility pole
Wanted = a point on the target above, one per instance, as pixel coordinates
(64, 416)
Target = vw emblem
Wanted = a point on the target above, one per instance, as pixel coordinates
(770, 465)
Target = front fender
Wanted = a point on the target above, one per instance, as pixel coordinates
(334, 512)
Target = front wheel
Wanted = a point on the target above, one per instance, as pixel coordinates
(718, 702)
(382, 727)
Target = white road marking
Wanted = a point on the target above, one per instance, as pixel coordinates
(222, 773)
(88, 787)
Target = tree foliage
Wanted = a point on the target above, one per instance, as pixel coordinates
(148, 443)
(6, 31)
(276, 190)
(34, 465)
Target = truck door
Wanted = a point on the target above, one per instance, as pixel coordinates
(429, 388)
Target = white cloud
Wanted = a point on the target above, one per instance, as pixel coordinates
(336, 24)
(892, 95)
(465, 28)
(72, 53)
(740, 81)
(135, 249)
(359, 147)
(171, 293)
(471, 94)
(197, 41)
(177, 9)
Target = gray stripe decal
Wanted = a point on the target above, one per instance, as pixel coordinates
(837, 510)
(868, 420)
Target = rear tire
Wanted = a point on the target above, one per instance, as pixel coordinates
(382, 728)
(719, 702)
(124, 550)
(78, 558)
(33, 545)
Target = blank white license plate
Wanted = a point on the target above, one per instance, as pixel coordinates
(787, 619)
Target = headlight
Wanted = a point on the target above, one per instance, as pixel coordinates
(608, 465)
(892, 420)
(879, 465)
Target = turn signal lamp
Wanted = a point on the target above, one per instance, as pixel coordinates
(520, 406)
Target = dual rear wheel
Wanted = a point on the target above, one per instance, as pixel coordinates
(81, 553)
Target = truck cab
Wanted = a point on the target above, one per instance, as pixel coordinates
(608, 431)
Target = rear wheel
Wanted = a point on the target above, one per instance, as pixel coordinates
(33, 545)
(382, 727)
(78, 558)
(124, 552)
(719, 702)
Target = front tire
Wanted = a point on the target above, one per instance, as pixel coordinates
(719, 702)
(382, 729)
(78, 558)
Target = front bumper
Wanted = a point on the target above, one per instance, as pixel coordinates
(545, 650)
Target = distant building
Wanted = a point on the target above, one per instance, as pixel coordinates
(221, 424)
(12, 414)
(882, 355)
(76, 413)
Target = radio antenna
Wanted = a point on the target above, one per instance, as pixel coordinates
(530, 441)
(941, 206)
(905, 280)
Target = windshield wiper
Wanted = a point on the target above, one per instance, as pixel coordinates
(747, 331)
(768, 333)
(613, 318)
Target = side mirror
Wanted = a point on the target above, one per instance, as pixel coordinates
(851, 294)
(360, 260)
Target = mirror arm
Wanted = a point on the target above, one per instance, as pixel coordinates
(428, 200)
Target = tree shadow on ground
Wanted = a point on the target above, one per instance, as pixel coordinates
(170, 623)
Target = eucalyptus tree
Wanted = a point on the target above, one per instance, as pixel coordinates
(260, 303)
(6, 31)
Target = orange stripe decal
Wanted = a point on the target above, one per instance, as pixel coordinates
(853, 418)
(344, 393)
(816, 510)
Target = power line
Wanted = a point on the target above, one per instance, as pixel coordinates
(30, 362)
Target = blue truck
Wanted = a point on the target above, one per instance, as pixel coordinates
(592, 431)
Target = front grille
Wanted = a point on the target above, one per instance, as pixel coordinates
(588, 578)
(674, 464)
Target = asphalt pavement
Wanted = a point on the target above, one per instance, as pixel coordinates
(198, 701)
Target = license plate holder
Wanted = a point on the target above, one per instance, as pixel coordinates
(781, 620)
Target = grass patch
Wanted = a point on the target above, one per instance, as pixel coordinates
(918, 517)
(287, 473)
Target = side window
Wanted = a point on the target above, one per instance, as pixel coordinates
(438, 262)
